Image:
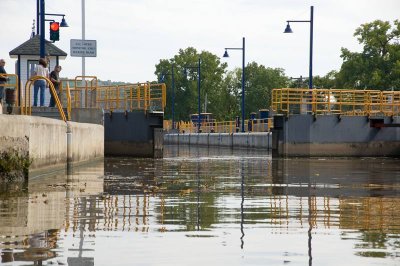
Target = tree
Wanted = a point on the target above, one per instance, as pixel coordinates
(186, 93)
(326, 82)
(259, 82)
(222, 89)
(378, 65)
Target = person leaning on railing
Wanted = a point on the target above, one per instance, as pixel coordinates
(40, 70)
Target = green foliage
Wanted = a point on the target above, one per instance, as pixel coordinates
(378, 65)
(186, 92)
(12, 164)
(259, 84)
(222, 89)
(326, 82)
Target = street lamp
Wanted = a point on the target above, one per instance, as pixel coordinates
(41, 13)
(173, 92)
(289, 30)
(243, 56)
(198, 90)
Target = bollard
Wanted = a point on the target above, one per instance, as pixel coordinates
(69, 143)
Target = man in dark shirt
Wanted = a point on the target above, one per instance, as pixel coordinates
(2, 79)
(55, 79)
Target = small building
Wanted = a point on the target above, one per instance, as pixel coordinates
(28, 55)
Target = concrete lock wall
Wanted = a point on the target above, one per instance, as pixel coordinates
(45, 140)
(257, 140)
(131, 133)
(87, 141)
(331, 135)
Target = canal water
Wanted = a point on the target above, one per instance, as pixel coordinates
(204, 206)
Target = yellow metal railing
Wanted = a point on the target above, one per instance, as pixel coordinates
(26, 107)
(69, 102)
(86, 93)
(256, 125)
(139, 96)
(342, 102)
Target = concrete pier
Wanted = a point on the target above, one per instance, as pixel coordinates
(334, 135)
(137, 134)
(256, 140)
(46, 140)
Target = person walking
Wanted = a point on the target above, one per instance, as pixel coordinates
(55, 79)
(40, 84)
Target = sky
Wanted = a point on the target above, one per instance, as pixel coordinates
(133, 35)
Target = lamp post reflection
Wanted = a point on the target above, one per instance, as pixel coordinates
(241, 206)
(198, 195)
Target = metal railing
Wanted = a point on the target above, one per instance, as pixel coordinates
(129, 97)
(253, 125)
(86, 93)
(26, 107)
(342, 102)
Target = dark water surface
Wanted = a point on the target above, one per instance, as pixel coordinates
(202, 206)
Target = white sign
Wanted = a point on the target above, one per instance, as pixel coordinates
(83, 48)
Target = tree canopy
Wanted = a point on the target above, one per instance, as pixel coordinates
(220, 91)
(378, 65)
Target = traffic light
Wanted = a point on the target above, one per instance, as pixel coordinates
(54, 31)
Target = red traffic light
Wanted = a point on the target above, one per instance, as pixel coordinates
(54, 26)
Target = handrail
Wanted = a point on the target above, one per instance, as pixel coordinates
(27, 108)
(93, 87)
(69, 103)
(137, 96)
(333, 101)
(252, 125)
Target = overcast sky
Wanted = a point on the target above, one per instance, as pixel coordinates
(133, 35)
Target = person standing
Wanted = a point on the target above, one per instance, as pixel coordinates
(40, 84)
(3, 80)
(55, 79)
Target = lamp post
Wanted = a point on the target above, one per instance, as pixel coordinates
(243, 78)
(40, 14)
(289, 30)
(198, 90)
(173, 92)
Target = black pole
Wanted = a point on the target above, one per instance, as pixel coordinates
(19, 80)
(198, 91)
(173, 97)
(310, 81)
(42, 47)
(37, 16)
(243, 113)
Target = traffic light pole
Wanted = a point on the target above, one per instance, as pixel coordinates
(40, 15)
(42, 43)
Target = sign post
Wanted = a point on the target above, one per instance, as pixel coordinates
(83, 48)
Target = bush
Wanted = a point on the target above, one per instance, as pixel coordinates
(13, 165)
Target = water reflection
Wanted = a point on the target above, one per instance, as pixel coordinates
(33, 213)
(200, 205)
